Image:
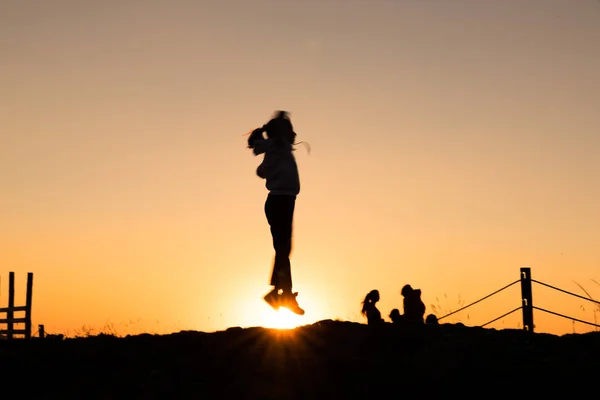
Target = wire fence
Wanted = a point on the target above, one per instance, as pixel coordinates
(567, 317)
(567, 292)
(502, 316)
(528, 303)
(480, 300)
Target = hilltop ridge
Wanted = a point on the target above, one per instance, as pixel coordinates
(325, 360)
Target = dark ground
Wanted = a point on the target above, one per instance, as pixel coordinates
(326, 360)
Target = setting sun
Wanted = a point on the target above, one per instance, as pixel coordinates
(281, 319)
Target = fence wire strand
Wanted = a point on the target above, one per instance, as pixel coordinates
(483, 298)
(500, 317)
(565, 316)
(567, 292)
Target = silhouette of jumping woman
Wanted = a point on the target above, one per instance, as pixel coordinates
(280, 171)
(370, 310)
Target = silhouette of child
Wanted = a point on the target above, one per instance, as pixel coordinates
(370, 310)
(395, 316)
(414, 309)
(431, 320)
(280, 171)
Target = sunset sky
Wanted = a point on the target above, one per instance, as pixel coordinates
(453, 142)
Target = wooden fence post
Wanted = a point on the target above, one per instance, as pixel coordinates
(10, 314)
(527, 299)
(28, 301)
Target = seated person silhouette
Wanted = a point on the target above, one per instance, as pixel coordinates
(414, 309)
(370, 310)
(431, 320)
(395, 316)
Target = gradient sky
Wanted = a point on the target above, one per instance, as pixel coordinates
(453, 142)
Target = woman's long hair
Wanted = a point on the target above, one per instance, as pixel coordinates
(369, 301)
(280, 130)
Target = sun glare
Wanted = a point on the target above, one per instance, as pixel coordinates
(281, 319)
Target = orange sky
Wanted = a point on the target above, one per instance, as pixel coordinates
(452, 143)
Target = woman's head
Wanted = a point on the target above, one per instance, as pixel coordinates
(370, 299)
(280, 128)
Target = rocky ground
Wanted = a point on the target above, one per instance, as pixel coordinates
(326, 360)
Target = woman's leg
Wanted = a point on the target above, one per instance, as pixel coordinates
(280, 214)
(279, 210)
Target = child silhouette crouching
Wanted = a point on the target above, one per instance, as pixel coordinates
(395, 316)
